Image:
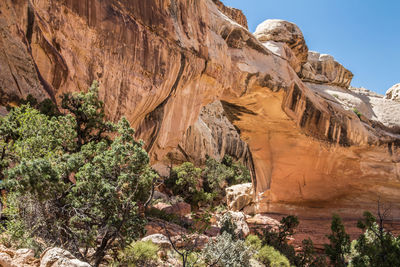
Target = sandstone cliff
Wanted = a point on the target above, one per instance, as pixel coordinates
(161, 62)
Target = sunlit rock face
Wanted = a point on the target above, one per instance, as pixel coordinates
(232, 13)
(284, 39)
(324, 69)
(211, 135)
(160, 62)
(393, 92)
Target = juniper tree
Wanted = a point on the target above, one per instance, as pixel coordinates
(339, 245)
(75, 181)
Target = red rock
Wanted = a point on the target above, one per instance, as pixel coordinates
(160, 63)
(179, 209)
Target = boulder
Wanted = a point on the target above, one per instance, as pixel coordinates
(281, 31)
(324, 69)
(158, 226)
(180, 209)
(196, 240)
(58, 257)
(263, 220)
(239, 196)
(393, 92)
(158, 239)
(18, 258)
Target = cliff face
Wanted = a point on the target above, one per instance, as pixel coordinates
(161, 62)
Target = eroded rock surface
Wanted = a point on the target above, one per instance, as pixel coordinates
(57, 257)
(324, 69)
(393, 92)
(233, 13)
(17, 258)
(211, 135)
(239, 196)
(52, 257)
(160, 62)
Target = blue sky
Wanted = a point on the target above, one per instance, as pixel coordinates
(363, 35)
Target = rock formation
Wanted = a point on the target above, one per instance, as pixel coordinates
(232, 13)
(239, 196)
(160, 62)
(273, 31)
(213, 135)
(51, 257)
(324, 69)
(393, 92)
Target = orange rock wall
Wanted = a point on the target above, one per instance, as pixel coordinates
(160, 61)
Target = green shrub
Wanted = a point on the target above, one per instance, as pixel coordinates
(17, 234)
(271, 257)
(139, 253)
(339, 245)
(215, 176)
(219, 175)
(184, 180)
(241, 172)
(73, 186)
(225, 251)
(358, 113)
(198, 186)
(309, 257)
(253, 242)
(228, 226)
(279, 239)
(376, 246)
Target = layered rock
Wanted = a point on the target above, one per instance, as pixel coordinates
(51, 257)
(160, 62)
(324, 69)
(393, 92)
(233, 13)
(211, 135)
(18, 71)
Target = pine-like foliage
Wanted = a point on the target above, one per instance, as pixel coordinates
(76, 180)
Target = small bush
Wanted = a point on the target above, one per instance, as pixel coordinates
(219, 175)
(271, 257)
(140, 253)
(15, 230)
(358, 113)
(228, 226)
(278, 239)
(185, 181)
(226, 251)
(253, 242)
